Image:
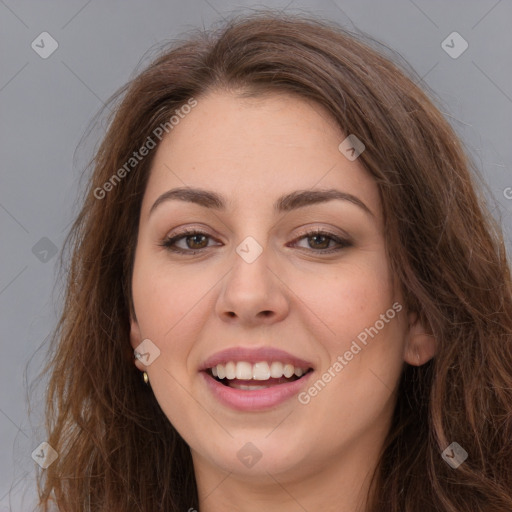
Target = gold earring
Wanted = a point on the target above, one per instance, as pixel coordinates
(145, 377)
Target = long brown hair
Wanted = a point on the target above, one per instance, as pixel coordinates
(118, 451)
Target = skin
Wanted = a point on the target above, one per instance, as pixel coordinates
(317, 456)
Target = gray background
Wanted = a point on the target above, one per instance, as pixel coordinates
(47, 104)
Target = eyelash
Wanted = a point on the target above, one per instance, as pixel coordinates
(169, 242)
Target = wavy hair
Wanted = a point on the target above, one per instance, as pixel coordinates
(118, 451)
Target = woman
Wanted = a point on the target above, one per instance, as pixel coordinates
(284, 293)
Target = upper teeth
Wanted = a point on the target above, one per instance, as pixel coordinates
(258, 371)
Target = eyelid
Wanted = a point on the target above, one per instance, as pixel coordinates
(167, 242)
(308, 230)
(343, 241)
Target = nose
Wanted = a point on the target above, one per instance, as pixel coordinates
(252, 293)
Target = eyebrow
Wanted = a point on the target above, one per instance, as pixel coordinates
(286, 203)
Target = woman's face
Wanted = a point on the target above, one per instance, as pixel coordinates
(259, 292)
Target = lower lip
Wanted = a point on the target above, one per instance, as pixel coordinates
(257, 399)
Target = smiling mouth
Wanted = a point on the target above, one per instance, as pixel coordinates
(246, 376)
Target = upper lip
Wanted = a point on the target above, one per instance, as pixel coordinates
(253, 355)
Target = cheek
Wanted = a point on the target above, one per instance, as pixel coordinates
(165, 304)
(164, 297)
(349, 297)
(361, 321)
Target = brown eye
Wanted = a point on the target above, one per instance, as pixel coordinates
(188, 242)
(319, 241)
(323, 242)
(196, 241)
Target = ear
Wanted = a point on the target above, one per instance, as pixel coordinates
(136, 340)
(420, 346)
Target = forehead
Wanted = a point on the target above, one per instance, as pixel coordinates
(255, 149)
